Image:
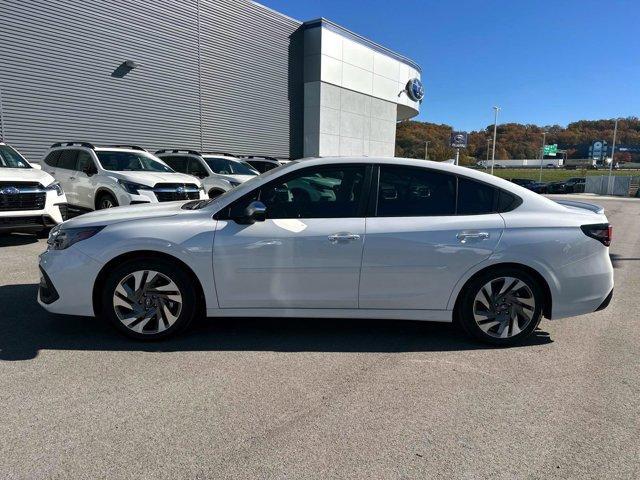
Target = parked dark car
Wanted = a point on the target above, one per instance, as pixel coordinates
(571, 185)
(538, 187)
(576, 185)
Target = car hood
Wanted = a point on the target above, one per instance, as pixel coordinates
(25, 175)
(125, 214)
(151, 178)
(237, 178)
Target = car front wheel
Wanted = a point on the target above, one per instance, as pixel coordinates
(149, 299)
(501, 306)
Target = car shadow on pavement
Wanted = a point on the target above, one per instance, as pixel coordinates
(26, 328)
(14, 239)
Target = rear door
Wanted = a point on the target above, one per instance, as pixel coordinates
(427, 229)
(66, 174)
(85, 181)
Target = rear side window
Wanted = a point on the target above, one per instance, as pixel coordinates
(52, 158)
(475, 198)
(68, 159)
(415, 192)
(179, 164)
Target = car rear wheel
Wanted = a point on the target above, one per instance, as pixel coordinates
(149, 299)
(501, 306)
(106, 200)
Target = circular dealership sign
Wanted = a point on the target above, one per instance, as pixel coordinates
(415, 89)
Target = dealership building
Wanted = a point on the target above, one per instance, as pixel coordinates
(223, 75)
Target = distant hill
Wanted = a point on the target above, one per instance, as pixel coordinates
(516, 140)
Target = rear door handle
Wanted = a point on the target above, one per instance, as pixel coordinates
(343, 237)
(464, 236)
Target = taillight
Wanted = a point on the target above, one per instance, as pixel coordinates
(601, 232)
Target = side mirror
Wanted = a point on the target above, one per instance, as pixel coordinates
(89, 170)
(37, 166)
(255, 212)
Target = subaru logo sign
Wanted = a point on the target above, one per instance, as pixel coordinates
(9, 191)
(180, 190)
(415, 89)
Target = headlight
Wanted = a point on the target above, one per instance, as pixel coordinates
(61, 238)
(201, 188)
(56, 187)
(132, 187)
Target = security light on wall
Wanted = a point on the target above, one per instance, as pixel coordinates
(124, 68)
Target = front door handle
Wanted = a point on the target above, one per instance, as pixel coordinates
(464, 236)
(72, 178)
(343, 237)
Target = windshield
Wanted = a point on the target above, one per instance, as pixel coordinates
(225, 166)
(131, 162)
(10, 158)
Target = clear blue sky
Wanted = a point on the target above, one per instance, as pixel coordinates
(544, 62)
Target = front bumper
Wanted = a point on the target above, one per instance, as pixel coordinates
(53, 213)
(71, 275)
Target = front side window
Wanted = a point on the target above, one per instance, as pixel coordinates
(316, 192)
(179, 164)
(120, 161)
(415, 192)
(85, 162)
(225, 166)
(196, 168)
(10, 158)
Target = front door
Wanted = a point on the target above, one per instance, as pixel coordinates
(428, 229)
(308, 251)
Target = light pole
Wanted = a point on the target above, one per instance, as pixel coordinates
(426, 150)
(613, 153)
(495, 131)
(488, 147)
(544, 136)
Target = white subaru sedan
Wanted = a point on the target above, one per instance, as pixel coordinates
(383, 238)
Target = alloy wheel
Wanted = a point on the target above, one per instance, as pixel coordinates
(504, 307)
(106, 202)
(147, 302)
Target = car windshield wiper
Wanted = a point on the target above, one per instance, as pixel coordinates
(197, 204)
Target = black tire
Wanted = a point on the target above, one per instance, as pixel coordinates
(464, 314)
(214, 193)
(168, 269)
(44, 233)
(105, 200)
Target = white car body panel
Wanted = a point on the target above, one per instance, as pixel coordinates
(412, 268)
(414, 262)
(288, 263)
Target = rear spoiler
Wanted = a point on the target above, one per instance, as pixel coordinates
(584, 205)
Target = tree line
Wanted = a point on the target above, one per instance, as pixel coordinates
(515, 140)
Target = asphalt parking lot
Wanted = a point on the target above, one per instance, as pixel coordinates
(316, 398)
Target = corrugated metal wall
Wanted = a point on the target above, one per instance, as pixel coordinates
(58, 59)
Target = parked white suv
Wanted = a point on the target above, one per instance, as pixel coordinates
(339, 238)
(30, 199)
(261, 164)
(95, 178)
(219, 172)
